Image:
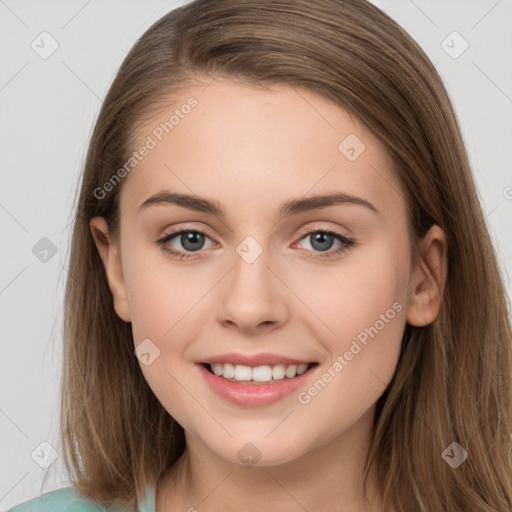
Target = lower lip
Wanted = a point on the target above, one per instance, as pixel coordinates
(253, 395)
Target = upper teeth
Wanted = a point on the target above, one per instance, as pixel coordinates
(263, 373)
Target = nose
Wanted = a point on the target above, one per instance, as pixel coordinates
(252, 297)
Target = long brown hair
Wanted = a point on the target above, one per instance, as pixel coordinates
(453, 380)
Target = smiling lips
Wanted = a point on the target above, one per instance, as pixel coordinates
(254, 380)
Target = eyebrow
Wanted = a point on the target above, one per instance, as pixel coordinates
(293, 207)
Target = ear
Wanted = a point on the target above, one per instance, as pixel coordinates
(428, 279)
(111, 258)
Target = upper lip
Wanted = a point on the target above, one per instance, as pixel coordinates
(254, 359)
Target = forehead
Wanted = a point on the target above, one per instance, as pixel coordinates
(222, 138)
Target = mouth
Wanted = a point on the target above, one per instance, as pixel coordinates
(263, 380)
(258, 375)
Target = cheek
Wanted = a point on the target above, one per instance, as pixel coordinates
(354, 292)
(162, 298)
(361, 307)
(165, 309)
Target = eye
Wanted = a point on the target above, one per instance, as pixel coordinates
(194, 240)
(190, 240)
(324, 239)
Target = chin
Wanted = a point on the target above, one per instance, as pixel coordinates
(259, 452)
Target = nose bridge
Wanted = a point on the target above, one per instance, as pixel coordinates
(250, 250)
(251, 263)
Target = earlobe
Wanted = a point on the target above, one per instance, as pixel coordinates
(428, 279)
(111, 258)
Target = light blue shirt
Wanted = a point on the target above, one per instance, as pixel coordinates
(67, 500)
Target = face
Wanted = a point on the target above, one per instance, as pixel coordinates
(216, 275)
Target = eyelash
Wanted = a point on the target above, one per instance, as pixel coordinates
(348, 243)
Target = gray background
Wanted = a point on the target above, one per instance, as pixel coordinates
(47, 110)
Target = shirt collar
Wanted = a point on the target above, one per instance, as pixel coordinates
(148, 501)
